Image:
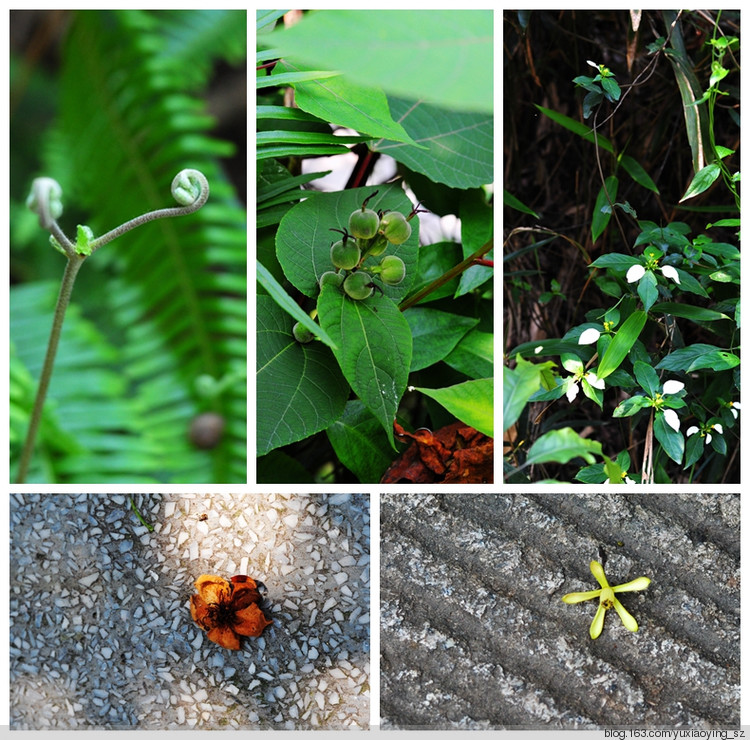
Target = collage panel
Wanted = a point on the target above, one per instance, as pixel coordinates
(128, 247)
(375, 213)
(559, 611)
(189, 611)
(621, 232)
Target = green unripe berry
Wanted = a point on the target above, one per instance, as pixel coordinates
(358, 285)
(331, 278)
(392, 270)
(377, 247)
(395, 227)
(363, 223)
(345, 254)
(302, 334)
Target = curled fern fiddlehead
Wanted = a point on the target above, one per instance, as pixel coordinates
(189, 188)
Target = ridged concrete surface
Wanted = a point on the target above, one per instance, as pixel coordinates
(474, 633)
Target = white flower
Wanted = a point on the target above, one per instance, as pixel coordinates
(691, 431)
(669, 272)
(670, 416)
(589, 336)
(572, 391)
(635, 273)
(719, 429)
(672, 386)
(593, 380)
(734, 407)
(538, 349)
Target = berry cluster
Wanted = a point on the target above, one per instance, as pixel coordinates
(368, 235)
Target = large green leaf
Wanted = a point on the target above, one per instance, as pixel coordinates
(435, 334)
(300, 389)
(443, 56)
(699, 357)
(304, 237)
(473, 355)
(358, 440)
(284, 300)
(619, 347)
(672, 442)
(374, 349)
(687, 311)
(477, 225)
(458, 145)
(470, 402)
(346, 103)
(562, 446)
(519, 385)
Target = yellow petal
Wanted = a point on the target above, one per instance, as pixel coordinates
(598, 624)
(637, 585)
(627, 618)
(598, 573)
(578, 596)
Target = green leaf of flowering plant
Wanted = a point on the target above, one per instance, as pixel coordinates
(519, 385)
(611, 88)
(647, 290)
(672, 442)
(596, 395)
(470, 402)
(702, 181)
(561, 386)
(600, 218)
(618, 349)
(631, 406)
(647, 378)
(616, 261)
(698, 357)
(561, 446)
(693, 449)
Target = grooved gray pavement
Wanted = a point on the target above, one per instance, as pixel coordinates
(474, 634)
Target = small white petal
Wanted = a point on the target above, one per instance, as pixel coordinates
(589, 336)
(736, 404)
(572, 391)
(606, 482)
(719, 429)
(672, 386)
(596, 382)
(734, 413)
(669, 272)
(691, 431)
(635, 273)
(670, 416)
(629, 481)
(538, 349)
(708, 438)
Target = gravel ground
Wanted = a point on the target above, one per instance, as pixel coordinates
(474, 634)
(100, 628)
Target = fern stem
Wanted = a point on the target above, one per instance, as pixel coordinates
(63, 299)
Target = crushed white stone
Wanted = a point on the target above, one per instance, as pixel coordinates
(100, 627)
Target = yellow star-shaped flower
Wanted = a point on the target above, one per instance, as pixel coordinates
(607, 599)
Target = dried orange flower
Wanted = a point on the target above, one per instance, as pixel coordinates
(227, 609)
